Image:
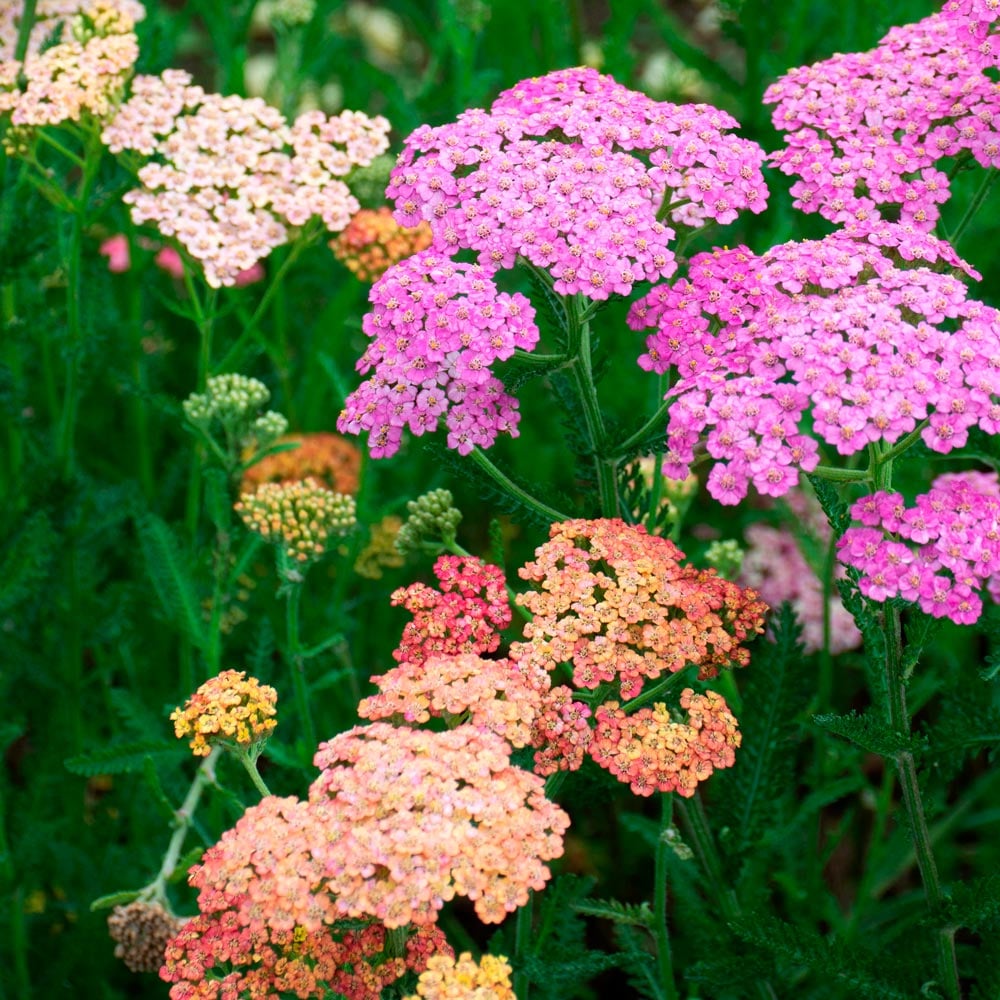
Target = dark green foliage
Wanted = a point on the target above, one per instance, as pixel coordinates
(869, 733)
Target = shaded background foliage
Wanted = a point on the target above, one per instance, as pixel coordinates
(92, 622)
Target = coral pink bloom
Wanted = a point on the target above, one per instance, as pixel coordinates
(115, 248)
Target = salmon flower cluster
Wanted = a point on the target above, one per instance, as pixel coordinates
(330, 459)
(230, 708)
(373, 241)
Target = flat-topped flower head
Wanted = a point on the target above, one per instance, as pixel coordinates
(229, 177)
(465, 616)
(230, 709)
(268, 925)
(83, 75)
(941, 553)
(447, 978)
(330, 459)
(415, 818)
(373, 241)
(617, 604)
(651, 751)
(865, 130)
(436, 328)
(576, 174)
(868, 330)
(141, 931)
(300, 518)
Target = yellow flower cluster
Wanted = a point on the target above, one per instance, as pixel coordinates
(381, 551)
(228, 708)
(299, 516)
(448, 978)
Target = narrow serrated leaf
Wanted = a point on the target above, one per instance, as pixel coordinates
(122, 758)
(115, 899)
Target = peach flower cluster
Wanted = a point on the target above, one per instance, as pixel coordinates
(330, 459)
(464, 616)
(616, 603)
(229, 708)
(414, 818)
(267, 926)
(651, 752)
(448, 978)
(373, 241)
(228, 176)
(83, 74)
(299, 517)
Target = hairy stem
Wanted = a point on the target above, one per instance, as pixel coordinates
(664, 958)
(548, 513)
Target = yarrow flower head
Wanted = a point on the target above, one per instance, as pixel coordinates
(229, 709)
(268, 925)
(436, 327)
(299, 518)
(141, 931)
(373, 241)
(869, 330)
(556, 172)
(392, 797)
(465, 616)
(866, 129)
(330, 459)
(617, 604)
(228, 176)
(381, 552)
(941, 553)
(84, 74)
(446, 978)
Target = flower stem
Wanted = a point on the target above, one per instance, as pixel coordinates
(250, 765)
(977, 203)
(662, 931)
(548, 513)
(298, 664)
(522, 939)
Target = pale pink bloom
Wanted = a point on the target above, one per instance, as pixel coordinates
(116, 249)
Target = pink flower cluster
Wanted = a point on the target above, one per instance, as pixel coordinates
(847, 327)
(575, 173)
(228, 176)
(84, 74)
(413, 818)
(865, 129)
(267, 925)
(436, 328)
(464, 616)
(775, 566)
(652, 752)
(939, 553)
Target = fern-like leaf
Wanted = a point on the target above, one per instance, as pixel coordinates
(122, 758)
(638, 915)
(26, 560)
(170, 577)
(870, 734)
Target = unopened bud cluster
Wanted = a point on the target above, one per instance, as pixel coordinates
(141, 931)
(433, 516)
(300, 517)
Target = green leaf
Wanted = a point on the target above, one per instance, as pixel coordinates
(870, 734)
(115, 899)
(184, 863)
(637, 915)
(170, 577)
(26, 560)
(123, 758)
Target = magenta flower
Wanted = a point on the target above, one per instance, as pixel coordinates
(847, 327)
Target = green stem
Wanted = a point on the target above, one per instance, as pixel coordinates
(249, 763)
(509, 486)
(522, 945)
(977, 202)
(662, 931)
(903, 443)
(24, 34)
(656, 691)
(834, 475)
(581, 366)
(658, 419)
(184, 817)
(298, 664)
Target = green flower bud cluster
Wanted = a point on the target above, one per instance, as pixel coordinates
(232, 403)
(289, 13)
(433, 518)
(726, 557)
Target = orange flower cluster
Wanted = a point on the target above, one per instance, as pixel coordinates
(561, 732)
(373, 241)
(227, 709)
(328, 458)
(499, 695)
(447, 978)
(267, 926)
(299, 516)
(653, 753)
(413, 818)
(617, 604)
